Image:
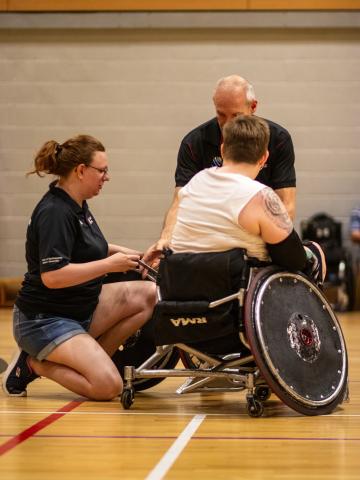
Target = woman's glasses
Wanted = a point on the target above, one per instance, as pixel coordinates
(103, 171)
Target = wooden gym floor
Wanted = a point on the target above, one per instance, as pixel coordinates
(53, 434)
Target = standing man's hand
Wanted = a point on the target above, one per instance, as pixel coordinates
(153, 254)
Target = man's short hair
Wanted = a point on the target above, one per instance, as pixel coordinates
(246, 138)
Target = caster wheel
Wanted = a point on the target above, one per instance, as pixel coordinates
(262, 393)
(127, 398)
(254, 407)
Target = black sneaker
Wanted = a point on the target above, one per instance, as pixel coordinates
(18, 375)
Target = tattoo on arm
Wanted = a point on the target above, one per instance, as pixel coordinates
(276, 210)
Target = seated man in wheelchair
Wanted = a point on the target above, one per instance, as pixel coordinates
(223, 208)
(228, 224)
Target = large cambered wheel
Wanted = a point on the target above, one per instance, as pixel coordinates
(296, 341)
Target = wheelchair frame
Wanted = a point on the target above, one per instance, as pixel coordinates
(232, 371)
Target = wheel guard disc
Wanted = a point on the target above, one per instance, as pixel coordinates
(299, 338)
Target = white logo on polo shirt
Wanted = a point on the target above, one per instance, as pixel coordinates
(49, 260)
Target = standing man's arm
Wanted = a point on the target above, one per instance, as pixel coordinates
(187, 166)
(288, 197)
(169, 222)
(283, 176)
(154, 252)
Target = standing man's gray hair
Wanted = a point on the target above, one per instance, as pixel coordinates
(233, 83)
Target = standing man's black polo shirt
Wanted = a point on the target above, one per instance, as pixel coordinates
(201, 149)
(60, 232)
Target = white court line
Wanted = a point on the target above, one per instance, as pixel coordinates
(175, 450)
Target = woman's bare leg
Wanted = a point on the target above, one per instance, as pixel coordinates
(123, 308)
(82, 366)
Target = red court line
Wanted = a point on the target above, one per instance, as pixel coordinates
(31, 431)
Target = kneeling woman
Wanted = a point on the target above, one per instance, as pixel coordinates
(67, 323)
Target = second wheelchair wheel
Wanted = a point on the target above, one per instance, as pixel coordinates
(137, 354)
(297, 341)
(219, 348)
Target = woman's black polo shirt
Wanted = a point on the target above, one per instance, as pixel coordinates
(60, 232)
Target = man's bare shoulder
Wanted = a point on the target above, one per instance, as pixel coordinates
(274, 209)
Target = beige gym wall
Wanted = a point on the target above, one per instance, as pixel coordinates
(139, 90)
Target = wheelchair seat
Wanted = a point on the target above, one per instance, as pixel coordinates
(188, 283)
(249, 326)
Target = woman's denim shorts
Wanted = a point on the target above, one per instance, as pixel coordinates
(40, 335)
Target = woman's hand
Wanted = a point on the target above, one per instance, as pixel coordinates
(121, 262)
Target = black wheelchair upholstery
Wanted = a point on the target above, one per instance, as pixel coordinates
(189, 282)
(241, 325)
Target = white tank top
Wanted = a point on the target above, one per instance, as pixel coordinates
(207, 219)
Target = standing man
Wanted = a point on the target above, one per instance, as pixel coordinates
(200, 149)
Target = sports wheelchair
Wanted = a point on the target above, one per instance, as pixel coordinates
(240, 325)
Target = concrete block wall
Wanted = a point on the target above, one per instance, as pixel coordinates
(141, 90)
